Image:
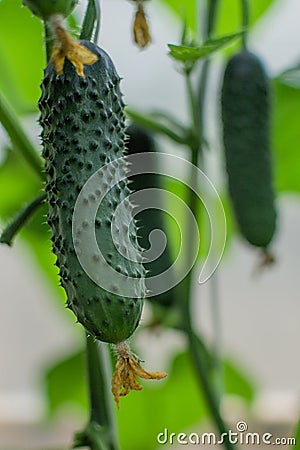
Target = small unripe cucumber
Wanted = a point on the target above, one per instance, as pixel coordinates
(45, 8)
(140, 141)
(246, 134)
(83, 129)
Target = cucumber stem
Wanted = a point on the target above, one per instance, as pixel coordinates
(198, 359)
(92, 15)
(100, 432)
(211, 18)
(245, 22)
(20, 220)
(197, 356)
(49, 41)
(149, 122)
(18, 137)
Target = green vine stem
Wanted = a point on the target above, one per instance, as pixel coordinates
(198, 357)
(148, 121)
(92, 15)
(18, 137)
(245, 21)
(20, 220)
(215, 306)
(48, 41)
(100, 432)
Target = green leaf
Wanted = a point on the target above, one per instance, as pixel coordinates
(20, 184)
(186, 10)
(192, 54)
(150, 122)
(64, 383)
(230, 17)
(144, 414)
(238, 383)
(297, 437)
(21, 55)
(286, 137)
(291, 77)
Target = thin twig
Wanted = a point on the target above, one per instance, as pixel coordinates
(19, 138)
(245, 21)
(198, 357)
(101, 431)
(11, 230)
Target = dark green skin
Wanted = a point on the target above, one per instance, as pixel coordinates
(246, 135)
(140, 141)
(83, 127)
(45, 8)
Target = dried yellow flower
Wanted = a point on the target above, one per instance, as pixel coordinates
(127, 369)
(141, 31)
(67, 47)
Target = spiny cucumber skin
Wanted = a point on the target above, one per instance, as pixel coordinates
(45, 8)
(140, 141)
(246, 135)
(83, 128)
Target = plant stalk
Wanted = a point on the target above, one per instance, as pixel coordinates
(198, 358)
(197, 355)
(245, 22)
(20, 220)
(101, 431)
(48, 41)
(147, 121)
(18, 137)
(92, 15)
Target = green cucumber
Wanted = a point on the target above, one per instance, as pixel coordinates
(140, 141)
(246, 134)
(46, 8)
(83, 129)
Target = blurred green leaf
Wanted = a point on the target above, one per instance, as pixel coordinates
(297, 437)
(36, 235)
(21, 55)
(291, 77)
(161, 405)
(18, 185)
(186, 10)
(192, 54)
(230, 17)
(144, 414)
(65, 383)
(287, 137)
(238, 383)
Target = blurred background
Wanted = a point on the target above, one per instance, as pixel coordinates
(41, 363)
